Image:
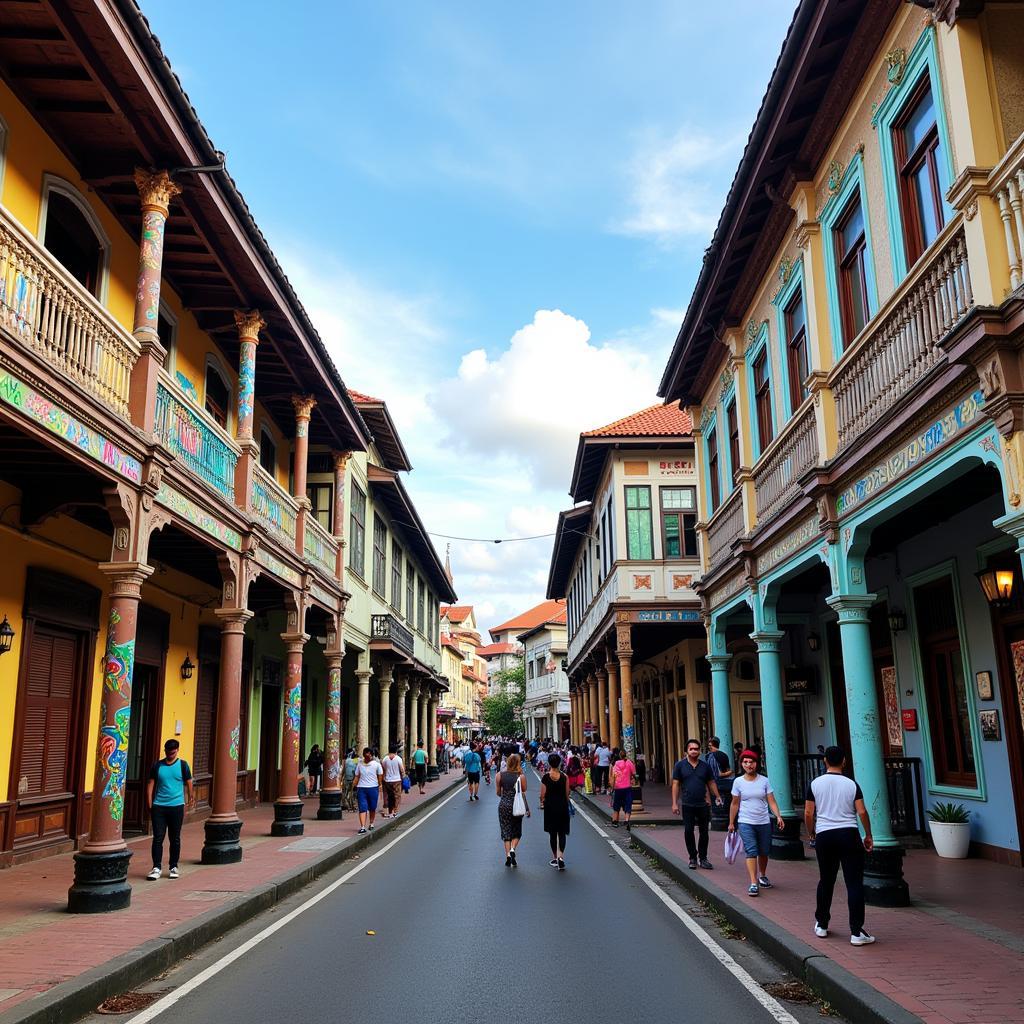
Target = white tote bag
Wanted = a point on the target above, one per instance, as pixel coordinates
(519, 801)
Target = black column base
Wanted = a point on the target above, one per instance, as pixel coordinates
(221, 845)
(330, 805)
(884, 884)
(101, 883)
(432, 773)
(287, 820)
(787, 844)
(720, 815)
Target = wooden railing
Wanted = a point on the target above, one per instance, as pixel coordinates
(901, 345)
(196, 439)
(274, 506)
(319, 546)
(789, 456)
(725, 526)
(1007, 186)
(388, 627)
(52, 314)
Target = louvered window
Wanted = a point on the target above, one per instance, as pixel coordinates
(46, 728)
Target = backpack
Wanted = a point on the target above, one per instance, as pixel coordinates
(712, 762)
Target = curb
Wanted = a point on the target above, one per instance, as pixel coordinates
(850, 995)
(79, 996)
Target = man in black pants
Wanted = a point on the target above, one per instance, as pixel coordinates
(693, 780)
(833, 804)
(168, 792)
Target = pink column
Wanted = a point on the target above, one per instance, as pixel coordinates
(288, 806)
(249, 325)
(156, 190)
(340, 460)
(101, 866)
(304, 406)
(330, 793)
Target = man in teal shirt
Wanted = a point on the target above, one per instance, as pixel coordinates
(471, 763)
(167, 792)
(419, 760)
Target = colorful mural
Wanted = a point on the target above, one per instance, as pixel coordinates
(1017, 650)
(119, 663)
(233, 746)
(246, 386)
(293, 708)
(893, 721)
(20, 396)
(113, 759)
(151, 247)
(187, 387)
(177, 502)
(277, 567)
(332, 752)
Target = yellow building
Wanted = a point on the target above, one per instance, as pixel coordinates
(851, 356)
(468, 678)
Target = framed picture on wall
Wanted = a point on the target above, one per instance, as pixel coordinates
(983, 680)
(990, 725)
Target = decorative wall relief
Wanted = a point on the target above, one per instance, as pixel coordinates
(893, 721)
(1017, 651)
(188, 510)
(642, 582)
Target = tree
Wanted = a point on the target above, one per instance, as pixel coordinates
(503, 710)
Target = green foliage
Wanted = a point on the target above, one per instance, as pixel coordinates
(503, 710)
(949, 814)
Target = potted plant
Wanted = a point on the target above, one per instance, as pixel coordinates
(951, 829)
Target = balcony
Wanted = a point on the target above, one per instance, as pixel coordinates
(724, 527)
(274, 507)
(196, 439)
(900, 346)
(388, 629)
(54, 316)
(319, 546)
(788, 457)
(1006, 184)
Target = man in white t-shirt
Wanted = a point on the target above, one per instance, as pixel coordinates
(832, 807)
(604, 761)
(394, 769)
(369, 781)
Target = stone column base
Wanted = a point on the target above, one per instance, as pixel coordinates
(330, 805)
(101, 883)
(720, 815)
(221, 845)
(884, 884)
(287, 820)
(787, 844)
(432, 773)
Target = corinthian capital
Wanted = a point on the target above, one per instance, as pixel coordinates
(340, 460)
(249, 324)
(156, 189)
(303, 405)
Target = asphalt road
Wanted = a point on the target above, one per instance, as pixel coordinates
(460, 938)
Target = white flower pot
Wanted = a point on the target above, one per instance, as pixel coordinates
(951, 840)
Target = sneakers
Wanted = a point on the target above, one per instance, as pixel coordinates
(154, 874)
(361, 832)
(561, 865)
(752, 890)
(822, 933)
(508, 861)
(513, 856)
(553, 862)
(764, 883)
(707, 865)
(371, 828)
(173, 873)
(861, 940)
(693, 863)
(615, 824)
(628, 829)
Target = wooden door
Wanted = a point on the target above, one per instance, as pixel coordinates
(837, 683)
(270, 729)
(143, 745)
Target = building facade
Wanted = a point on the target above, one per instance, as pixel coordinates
(546, 711)
(851, 356)
(458, 623)
(625, 559)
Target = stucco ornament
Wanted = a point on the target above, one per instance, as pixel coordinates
(895, 65)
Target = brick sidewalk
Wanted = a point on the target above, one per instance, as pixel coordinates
(41, 945)
(955, 956)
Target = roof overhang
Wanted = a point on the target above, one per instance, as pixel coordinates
(593, 452)
(385, 434)
(569, 535)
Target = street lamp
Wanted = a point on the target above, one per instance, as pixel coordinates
(897, 621)
(997, 585)
(813, 641)
(6, 636)
(187, 667)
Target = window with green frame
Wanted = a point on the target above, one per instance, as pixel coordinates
(639, 523)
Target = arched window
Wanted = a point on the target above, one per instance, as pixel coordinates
(217, 396)
(72, 233)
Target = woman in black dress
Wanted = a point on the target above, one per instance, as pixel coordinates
(554, 799)
(511, 826)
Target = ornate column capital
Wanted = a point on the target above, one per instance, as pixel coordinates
(718, 661)
(249, 324)
(851, 607)
(126, 578)
(768, 640)
(294, 642)
(363, 676)
(339, 460)
(156, 189)
(384, 677)
(233, 620)
(303, 406)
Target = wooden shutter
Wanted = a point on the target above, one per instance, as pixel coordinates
(46, 728)
(206, 708)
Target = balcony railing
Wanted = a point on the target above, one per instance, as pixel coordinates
(197, 440)
(274, 506)
(1007, 186)
(901, 345)
(790, 455)
(58, 319)
(387, 627)
(319, 546)
(725, 526)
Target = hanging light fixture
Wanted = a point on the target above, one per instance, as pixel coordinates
(6, 636)
(897, 621)
(813, 641)
(997, 585)
(187, 667)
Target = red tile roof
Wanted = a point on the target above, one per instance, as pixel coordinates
(447, 640)
(489, 650)
(654, 421)
(456, 612)
(546, 611)
(360, 399)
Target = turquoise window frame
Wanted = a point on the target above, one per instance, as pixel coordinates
(712, 425)
(853, 182)
(980, 791)
(923, 59)
(730, 469)
(751, 355)
(780, 302)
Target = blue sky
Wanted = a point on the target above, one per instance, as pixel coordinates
(494, 214)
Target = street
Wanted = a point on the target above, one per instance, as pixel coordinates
(478, 940)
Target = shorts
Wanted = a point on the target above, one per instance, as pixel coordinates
(367, 797)
(473, 778)
(757, 839)
(622, 799)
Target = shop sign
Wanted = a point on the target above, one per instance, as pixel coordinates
(666, 615)
(802, 680)
(910, 719)
(675, 467)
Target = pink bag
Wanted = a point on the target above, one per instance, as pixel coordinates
(733, 845)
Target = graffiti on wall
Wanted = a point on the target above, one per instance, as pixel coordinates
(188, 510)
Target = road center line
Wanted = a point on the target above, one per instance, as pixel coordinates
(707, 940)
(169, 1000)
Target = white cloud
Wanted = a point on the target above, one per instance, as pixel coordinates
(677, 186)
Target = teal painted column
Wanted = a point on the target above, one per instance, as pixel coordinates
(786, 845)
(720, 704)
(883, 874)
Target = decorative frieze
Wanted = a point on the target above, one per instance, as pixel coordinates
(198, 517)
(792, 542)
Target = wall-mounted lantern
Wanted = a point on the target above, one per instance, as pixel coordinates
(897, 621)
(998, 586)
(813, 641)
(187, 667)
(6, 636)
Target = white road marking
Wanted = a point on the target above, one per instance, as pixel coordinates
(707, 940)
(169, 1000)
